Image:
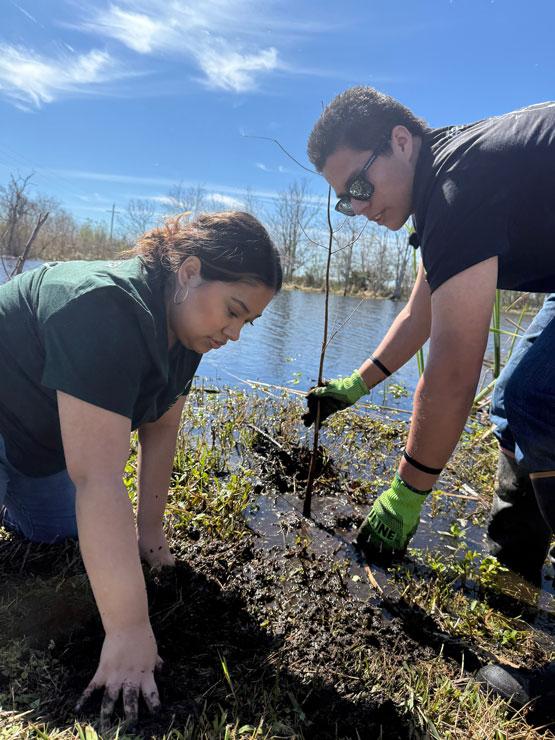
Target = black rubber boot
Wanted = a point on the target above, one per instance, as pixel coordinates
(518, 534)
(520, 686)
(544, 488)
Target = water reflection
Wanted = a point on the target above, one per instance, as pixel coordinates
(283, 347)
(8, 263)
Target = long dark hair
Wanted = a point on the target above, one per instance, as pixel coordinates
(231, 246)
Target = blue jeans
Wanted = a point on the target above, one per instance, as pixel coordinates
(523, 403)
(39, 509)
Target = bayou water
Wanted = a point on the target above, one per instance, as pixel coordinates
(282, 348)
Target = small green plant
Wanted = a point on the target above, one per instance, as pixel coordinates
(489, 571)
(296, 379)
(396, 390)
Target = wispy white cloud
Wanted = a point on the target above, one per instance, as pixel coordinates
(164, 200)
(221, 37)
(225, 200)
(25, 12)
(93, 198)
(280, 168)
(114, 178)
(217, 199)
(30, 80)
(138, 31)
(145, 181)
(231, 70)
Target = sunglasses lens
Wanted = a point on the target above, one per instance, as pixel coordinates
(361, 189)
(344, 206)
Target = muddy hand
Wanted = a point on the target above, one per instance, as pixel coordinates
(154, 550)
(393, 519)
(335, 395)
(127, 663)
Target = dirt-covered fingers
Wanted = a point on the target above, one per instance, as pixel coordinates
(109, 699)
(131, 702)
(86, 695)
(150, 694)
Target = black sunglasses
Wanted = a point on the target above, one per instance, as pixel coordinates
(358, 187)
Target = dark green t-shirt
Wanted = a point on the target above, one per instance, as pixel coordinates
(95, 330)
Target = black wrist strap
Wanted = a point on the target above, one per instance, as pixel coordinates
(420, 466)
(380, 365)
(412, 488)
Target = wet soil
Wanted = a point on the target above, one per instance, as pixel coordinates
(285, 623)
(276, 617)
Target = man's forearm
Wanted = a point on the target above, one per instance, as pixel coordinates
(406, 334)
(405, 337)
(108, 544)
(441, 407)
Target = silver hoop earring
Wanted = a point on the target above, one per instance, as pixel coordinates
(177, 298)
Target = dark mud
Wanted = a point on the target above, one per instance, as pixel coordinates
(277, 618)
(337, 512)
(282, 626)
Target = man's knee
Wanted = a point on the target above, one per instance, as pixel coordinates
(530, 409)
(520, 398)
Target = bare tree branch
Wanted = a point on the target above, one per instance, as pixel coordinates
(4, 266)
(23, 256)
(181, 199)
(353, 241)
(291, 217)
(15, 206)
(335, 332)
(284, 150)
(316, 244)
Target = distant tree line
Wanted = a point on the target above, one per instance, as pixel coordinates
(366, 259)
(60, 237)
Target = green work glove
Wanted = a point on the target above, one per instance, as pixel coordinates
(392, 521)
(335, 395)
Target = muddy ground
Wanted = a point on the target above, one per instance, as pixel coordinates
(272, 625)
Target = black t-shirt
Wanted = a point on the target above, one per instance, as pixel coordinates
(95, 330)
(488, 189)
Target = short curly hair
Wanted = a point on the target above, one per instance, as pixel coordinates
(359, 118)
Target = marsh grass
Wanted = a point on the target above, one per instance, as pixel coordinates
(460, 595)
(341, 653)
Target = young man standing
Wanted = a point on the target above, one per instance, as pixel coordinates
(482, 198)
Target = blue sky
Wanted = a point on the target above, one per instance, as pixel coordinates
(107, 101)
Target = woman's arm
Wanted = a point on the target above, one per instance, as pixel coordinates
(96, 447)
(156, 453)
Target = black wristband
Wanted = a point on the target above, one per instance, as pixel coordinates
(412, 488)
(420, 466)
(380, 365)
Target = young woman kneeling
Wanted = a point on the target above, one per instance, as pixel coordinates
(90, 352)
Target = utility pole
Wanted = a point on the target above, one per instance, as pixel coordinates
(112, 223)
(113, 212)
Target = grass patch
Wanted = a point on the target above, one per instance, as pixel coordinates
(281, 636)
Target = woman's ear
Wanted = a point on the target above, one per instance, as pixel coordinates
(189, 272)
